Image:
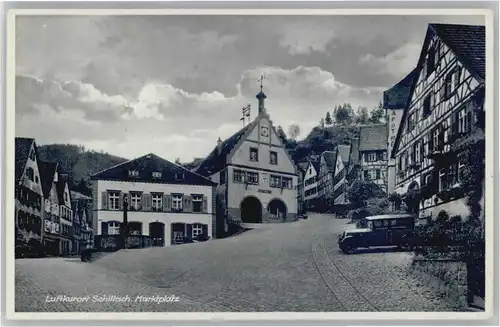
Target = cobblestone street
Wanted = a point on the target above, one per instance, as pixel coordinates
(286, 267)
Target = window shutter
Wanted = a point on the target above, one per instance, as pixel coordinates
(378, 173)
(104, 228)
(454, 123)
(205, 204)
(431, 142)
(366, 175)
(421, 151)
(469, 121)
(120, 204)
(380, 155)
(167, 202)
(146, 202)
(204, 229)
(186, 203)
(104, 204)
(189, 231)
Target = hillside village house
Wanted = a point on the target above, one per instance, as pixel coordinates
(311, 183)
(28, 193)
(167, 204)
(65, 215)
(332, 175)
(353, 163)
(83, 205)
(301, 172)
(256, 176)
(340, 176)
(373, 154)
(394, 104)
(51, 215)
(446, 101)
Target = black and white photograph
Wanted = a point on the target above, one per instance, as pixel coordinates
(250, 163)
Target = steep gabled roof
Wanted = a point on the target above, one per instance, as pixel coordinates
(148, 164)
(354, 153)
(61, 187)
(23, 146)
(467, 42)
(47, 172)
(343, 151)
(216, 160)
(330, 159)
(396, 96)
(373, 137)
(315, 164)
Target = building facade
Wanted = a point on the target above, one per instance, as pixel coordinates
(353, 163)
(257, 179)
(167, 204)
(446, 102)
(394, 104)
(373, 158)
(340, 175)
(311, 182)
(50, 204)
(28, 194)
(65, 215)
(301, 172)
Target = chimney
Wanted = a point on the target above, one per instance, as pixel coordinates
(219, 146)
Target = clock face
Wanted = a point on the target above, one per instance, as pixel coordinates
(264, 131)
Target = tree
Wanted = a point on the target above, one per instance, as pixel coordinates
(281, 134)
(362, 116)
(322, 123)
(360, 191)
(343, 114)
(294, 131)
(377, 115)
(328, 119)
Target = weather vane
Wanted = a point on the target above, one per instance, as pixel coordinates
(261, 80)
(245, 111)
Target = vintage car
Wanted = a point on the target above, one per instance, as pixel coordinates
(384, 230)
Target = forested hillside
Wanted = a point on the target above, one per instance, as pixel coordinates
(78, 162)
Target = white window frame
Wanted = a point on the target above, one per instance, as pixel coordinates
(461, 166)
(135, 200)
(238, 176)
(372, 157)
(157, 201)
(156, 174)
(442, 174)
(275, 181)
(112, 197)
(197, 229)
(435, 138)
(177, 202)
(198, 199)
(287, 182)
(372, 174)
(462, 120)
(133, 173)
(113, 228)
(252, 177)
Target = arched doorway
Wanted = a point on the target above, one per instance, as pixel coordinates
(157, 233)
(179, 233)
(134, 239)
(413, 198)
(251, 210)
(277, 209)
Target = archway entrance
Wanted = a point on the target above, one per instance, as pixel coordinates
(251, 210)
(157, 234)
(179, 233)
(134, 239)
(277, 209)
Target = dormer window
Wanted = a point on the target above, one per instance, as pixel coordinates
(156, 174)
(133, 173)
(179, 175)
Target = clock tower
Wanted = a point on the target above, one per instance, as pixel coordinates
(261, 97)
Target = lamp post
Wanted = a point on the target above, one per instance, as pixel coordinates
(125, 221)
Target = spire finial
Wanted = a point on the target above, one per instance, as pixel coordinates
(261, 81)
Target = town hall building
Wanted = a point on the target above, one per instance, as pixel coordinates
(256, 176)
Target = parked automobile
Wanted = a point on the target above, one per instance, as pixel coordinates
(384, 230)
(29, 251)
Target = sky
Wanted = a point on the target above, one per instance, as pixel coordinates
(132, 85)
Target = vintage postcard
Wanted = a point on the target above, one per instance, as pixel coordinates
(249, 164)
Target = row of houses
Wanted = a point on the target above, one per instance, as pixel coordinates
(325, 178)
(48, 216)
(439, 101)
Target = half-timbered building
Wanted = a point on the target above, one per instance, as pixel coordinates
(373, 157)
(445, 102)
